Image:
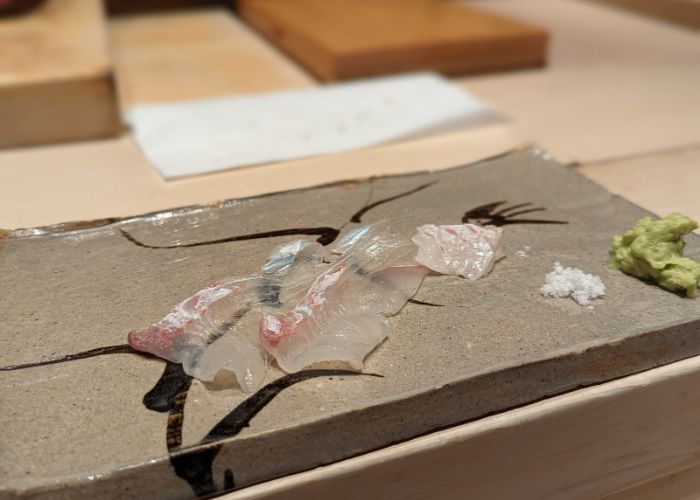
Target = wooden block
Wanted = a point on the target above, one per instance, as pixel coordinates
(56, 80)
(341, 39)
(194, 55)
(118, 7)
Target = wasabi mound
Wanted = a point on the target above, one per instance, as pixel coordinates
(653, 250)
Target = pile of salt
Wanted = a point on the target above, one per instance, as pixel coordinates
(571, 281)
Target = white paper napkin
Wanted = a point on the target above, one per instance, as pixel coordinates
(194, 137)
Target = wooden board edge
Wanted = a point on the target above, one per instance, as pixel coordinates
(457, 59)
(326, 66)
(309, 53)
(54, 111)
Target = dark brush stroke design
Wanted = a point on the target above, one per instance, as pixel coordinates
(433, 304)
(194, 464)
(485, 214)
(116, 349)
(99, 351)
(326, 236)
(176, 415)
(357, 216)
(171, 383)
(229, 482)
(423, 303)
(239, 418)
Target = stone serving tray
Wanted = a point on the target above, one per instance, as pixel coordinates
(82, 415)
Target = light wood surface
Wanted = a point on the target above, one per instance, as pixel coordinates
(112, 178)
(56, 80)
(680, 485)
(193, 55)
(585, 35)
(343, 39)
(665, 182)
(683, 12)
(616, 84)
(584, 444)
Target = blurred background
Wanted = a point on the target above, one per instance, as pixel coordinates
(122, 107)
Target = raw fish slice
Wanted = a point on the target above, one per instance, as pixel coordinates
(294, 256)
(383, 292)
(184, 332)
(238, 352)
(375, 247)
(345, 338)
(390, 289)
(341, 317)
(211, 330)
(468, 250)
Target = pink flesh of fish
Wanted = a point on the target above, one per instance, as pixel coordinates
(464, 249)
(184, 335)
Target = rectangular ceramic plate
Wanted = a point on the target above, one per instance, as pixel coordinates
(112, 423)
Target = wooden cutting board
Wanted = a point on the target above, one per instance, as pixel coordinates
(56, 79)
(342, 39)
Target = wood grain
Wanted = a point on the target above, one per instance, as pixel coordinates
(56, 79)
(342, 39)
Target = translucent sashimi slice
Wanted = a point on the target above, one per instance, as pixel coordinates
(332, 312)
(347, 339)
(342, 315)
(238, 352)
(216, 328)
(192, 324)
(468, 250)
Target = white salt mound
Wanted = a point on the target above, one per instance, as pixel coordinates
(571, 281)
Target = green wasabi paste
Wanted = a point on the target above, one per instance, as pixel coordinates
(654, 250)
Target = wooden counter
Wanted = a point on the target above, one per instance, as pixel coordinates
(619, 99)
